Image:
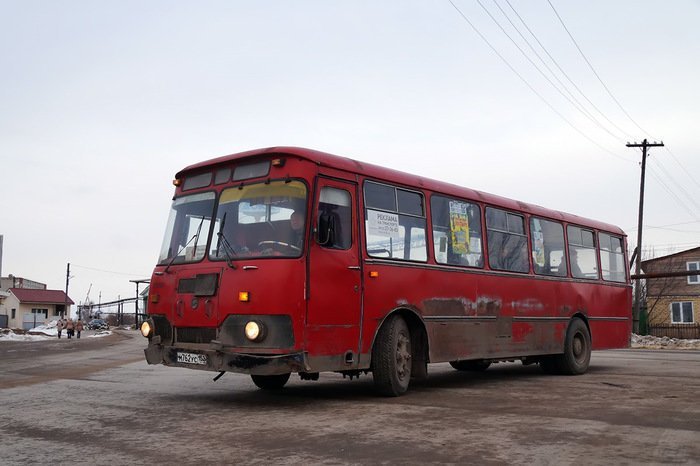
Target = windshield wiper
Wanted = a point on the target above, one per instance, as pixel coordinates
(221, 239)
(195, 237)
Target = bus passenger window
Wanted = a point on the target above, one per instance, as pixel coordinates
(394, 222)
(612, 260)
(456, 232)
(547, 238)
(507, 243)
(334, 219)
(582, 253)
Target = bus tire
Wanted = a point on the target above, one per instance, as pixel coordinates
(270, 382)
(577, 349)
(392, 357)
(477, 365)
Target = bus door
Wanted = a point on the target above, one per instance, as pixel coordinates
(335, 277)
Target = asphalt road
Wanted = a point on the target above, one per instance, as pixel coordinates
(97, 402)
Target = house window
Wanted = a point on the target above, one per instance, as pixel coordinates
(14, 312)
(44, 312)
(693, 267)
(682, 312)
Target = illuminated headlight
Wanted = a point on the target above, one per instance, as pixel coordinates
(147, 329)
(254, 331)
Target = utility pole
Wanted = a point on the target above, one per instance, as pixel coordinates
(638, 263)
(65, 308)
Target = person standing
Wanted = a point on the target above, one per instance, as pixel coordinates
(79, 327)
(70, 328)
(59, 327)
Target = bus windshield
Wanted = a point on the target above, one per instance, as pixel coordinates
(187, 230)
(263, 219)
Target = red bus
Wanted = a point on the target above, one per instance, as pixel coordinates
(288, 260)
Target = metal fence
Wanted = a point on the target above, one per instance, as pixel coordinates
(684, 331)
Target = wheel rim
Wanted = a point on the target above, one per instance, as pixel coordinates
(403, 356)
(579, 348)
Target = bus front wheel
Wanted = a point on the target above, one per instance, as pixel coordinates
(270, 382)
(392, 357)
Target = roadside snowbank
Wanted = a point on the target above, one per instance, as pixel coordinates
(649, 342)
(39, 334)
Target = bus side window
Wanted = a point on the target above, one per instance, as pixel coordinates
(395, 223)
(547, 238)
(507, 242)
(582, 253)
(334, 219)
(456, 232)
(612, 259)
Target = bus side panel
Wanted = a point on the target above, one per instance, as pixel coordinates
(481, 315)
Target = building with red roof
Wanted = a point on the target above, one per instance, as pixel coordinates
(28, 307)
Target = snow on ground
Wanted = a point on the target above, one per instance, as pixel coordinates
(9, 335)
(43, 333)
(649, 342)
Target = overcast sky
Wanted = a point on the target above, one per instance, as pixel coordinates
(102, 102)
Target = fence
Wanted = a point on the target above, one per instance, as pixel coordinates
(684, 331)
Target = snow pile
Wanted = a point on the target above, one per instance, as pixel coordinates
(7, 334)
(48, 329)
(100, 333)
(649, 342)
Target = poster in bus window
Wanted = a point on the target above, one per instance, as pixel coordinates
(537, 243)
(459, 225)
(383, 224)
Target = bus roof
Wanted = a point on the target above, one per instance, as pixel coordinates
(408, 180)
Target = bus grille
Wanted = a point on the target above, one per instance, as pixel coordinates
(195, 334)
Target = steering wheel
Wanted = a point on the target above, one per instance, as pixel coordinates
(277, 244)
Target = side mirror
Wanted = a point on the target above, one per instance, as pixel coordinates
(326, 230)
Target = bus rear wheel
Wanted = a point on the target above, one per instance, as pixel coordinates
(477, 365)
(577, 349)
(577, 352)
(270, 382)
(392, 358)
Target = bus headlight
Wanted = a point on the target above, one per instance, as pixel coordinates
(147, 329)
(254, 331)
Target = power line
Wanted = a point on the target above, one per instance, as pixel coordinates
(672, 194)
(568, 78)
(683, 167)
(110, 271)
(595, 72)
(677, 184)
(571, 99)
(534, 91)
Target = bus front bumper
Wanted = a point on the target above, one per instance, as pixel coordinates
(224, 360)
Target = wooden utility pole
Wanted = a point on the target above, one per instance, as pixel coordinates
(638, 263)
(65, 304)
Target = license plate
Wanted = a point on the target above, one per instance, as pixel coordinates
(192, 358)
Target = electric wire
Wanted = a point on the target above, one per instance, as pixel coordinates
(110, 271)
(565, 74)
(673, 194)
(595, 72)
(529, 86)
(657, 163)
(571, 98)
(682, 166)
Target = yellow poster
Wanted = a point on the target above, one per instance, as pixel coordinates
(459, 226)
